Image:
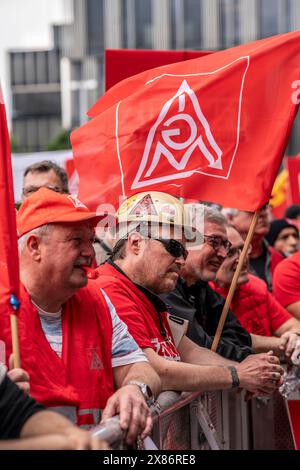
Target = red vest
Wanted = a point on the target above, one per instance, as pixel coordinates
(82, 377)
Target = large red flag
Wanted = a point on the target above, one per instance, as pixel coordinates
(213, 128)
(9, 261)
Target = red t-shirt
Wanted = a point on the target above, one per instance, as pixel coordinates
(138, 312)
(256, 308)
(286, 280)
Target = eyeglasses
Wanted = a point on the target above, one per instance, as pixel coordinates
(233, 252)
(217, 242)
(174, 247)
(237, 251)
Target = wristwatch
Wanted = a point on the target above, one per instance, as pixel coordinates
(234, 377)
(145, 389)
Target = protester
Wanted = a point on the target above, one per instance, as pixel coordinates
(73, 345)
(263, 258)
(287, 284)
(194, 300)
(45, 174)
(292, 212)
(284, 237)
(255, 307)
(24, 424)
(146, 261)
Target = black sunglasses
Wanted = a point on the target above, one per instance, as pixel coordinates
(174, 247)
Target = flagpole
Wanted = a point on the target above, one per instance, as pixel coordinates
(234, 281)
(14, 302)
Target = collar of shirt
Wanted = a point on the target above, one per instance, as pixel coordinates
(159, 304)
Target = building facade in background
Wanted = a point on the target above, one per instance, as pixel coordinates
(51, 89)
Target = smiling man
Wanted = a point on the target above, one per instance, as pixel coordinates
(270, 324)
(194, 300)
(146, 261)
(263, 258)
(73, 345)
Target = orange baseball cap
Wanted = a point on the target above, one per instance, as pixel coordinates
(46, 206)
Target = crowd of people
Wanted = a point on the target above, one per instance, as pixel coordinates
(98, 340)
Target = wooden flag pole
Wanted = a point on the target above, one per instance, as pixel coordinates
(15, 340)
(234, 282)
(15, 304)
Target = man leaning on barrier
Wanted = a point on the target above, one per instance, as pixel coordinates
(195, 300)
(73, 345)
(146, 261)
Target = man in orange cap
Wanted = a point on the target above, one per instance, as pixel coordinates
(73, 345)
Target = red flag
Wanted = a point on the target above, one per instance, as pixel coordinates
(9, 261)
(123, 63)
(293, 407)
(213, 128)
(293, 165)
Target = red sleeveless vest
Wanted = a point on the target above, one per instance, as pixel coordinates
(82, 377)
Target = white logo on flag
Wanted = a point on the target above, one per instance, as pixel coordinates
(196, 125)
(77, 203)
(189, 148)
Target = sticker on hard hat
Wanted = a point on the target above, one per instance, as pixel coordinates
(168, 211)
(144, 207)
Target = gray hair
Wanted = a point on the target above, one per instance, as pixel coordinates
(198, 214)
(39, 231)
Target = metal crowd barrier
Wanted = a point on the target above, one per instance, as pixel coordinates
(212, 421)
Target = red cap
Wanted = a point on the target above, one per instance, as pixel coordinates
(46, 206)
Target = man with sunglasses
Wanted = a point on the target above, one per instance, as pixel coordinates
(147, 261)
(194, 300)
(270, 325)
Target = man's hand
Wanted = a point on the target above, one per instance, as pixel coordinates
(75, 438)
(71, 439)
(290, 345)
(260, 374)
(18, 376)
(135, 415)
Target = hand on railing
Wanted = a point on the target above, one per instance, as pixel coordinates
(135, 415)
(290, 345)
(260, 374)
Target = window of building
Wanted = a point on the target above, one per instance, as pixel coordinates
(143, 24)
(192, 24)
(229, 23)
(95, 27)
(177, 24)
(41, 67)
(36, 104)
(30, 68)
(17, 68)
(53, 67)
(186, 30)
(275, 17)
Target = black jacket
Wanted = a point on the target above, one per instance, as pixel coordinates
(202, 306)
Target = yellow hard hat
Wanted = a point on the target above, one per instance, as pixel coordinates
(156, 207)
